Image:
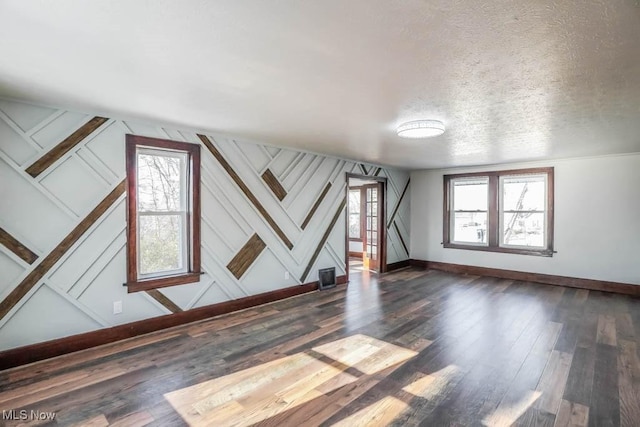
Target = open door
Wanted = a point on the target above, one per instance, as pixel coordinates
(366, 235)
(372, 227)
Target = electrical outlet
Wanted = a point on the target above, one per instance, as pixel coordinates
(117, 307)
(286, 275)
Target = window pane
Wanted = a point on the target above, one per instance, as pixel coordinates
(525, 193)
(354, 201)
(523, 229)
(470, 227)
(160, 243)
(160, 182)
(470, 194)
(354, 226)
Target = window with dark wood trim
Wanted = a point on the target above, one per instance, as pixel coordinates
(500, 211)
(163, 213)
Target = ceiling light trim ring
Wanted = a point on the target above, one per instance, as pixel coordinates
(420, 129)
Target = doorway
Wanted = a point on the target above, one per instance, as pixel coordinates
(365, 234)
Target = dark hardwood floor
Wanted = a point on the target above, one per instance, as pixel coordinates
(413, 347)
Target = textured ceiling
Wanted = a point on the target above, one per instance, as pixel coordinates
(512, 80)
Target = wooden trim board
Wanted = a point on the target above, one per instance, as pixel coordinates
(398, 265)
(15, 246)
(548, 279)
(65, 146)
(246, 256)
(45, 350)
(272, 182)
(315, 206)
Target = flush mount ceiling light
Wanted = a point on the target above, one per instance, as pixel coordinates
(421, 129)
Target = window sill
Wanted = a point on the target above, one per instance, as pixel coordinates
(518, 251)
(163, 282)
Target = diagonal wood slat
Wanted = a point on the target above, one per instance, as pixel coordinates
(58, 252)
(240, 183)
(315, 206)
(404, 245)
(272, 182)
(246, 256)
(16, 247)
(395, 210)
(323, 240)
(164, 300)
(62, 148)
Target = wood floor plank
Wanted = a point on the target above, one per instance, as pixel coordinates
(380, 413)
(624, 326)
(580, 379)
(97, 421)
(606, 330)
(553, 381)
(512, 408)
(605, 403)
(572, 415)
(137, 419)
(534, 417)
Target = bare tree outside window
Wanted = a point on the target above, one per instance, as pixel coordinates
(163, 237)
(162, 211)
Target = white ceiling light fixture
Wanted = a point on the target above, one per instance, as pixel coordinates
(421, 129)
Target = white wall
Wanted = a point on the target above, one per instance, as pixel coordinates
(356, 247)
(597, 221)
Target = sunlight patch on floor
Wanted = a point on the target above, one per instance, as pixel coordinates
(366, 354)
(433, 384)
(380, 413)
(508, 412)
(385, 410)
(258, 393)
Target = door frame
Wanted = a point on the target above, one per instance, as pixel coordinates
(382, 220)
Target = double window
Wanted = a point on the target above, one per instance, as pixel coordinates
(163, 216)
(502, 211)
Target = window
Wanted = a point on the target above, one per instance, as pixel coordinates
(355, 224)
(470, 208)
(163, 213)
(503, 211)
(522, 211)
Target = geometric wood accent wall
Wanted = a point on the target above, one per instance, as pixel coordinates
(265, 211)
